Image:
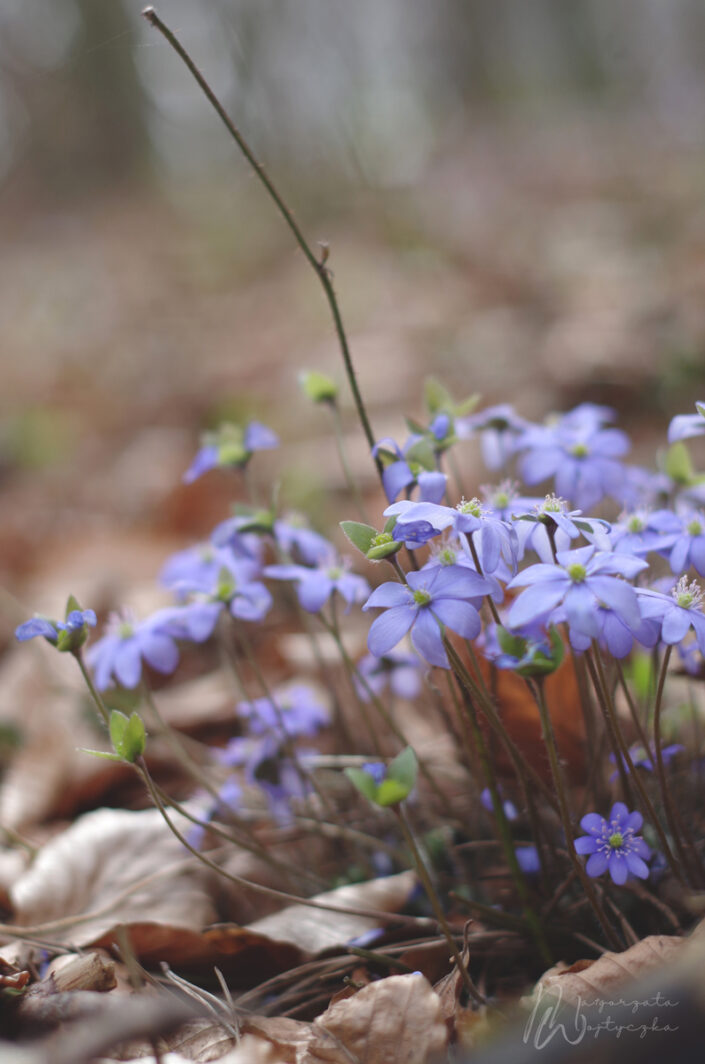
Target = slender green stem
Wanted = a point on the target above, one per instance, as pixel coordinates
(625, 757)
(688, 857)
(344, 461)
(503, 829)
(317, 265)
(435, 901)
(99, 703)
(552, 750)
(604, 700)
(272, 892)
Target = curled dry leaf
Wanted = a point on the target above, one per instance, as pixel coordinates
(314, 930)
(113, 866)
(397, 1020)
(587, 981)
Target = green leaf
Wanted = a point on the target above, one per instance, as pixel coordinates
(318, 387)
(127, 735)
(511, 644)
(678, 464)
(134, 739)
(391, 792)
(363, 782)
(101, 753)
(360, 535)
(72, 604)
(700, 407)
(404, 769)
(436, 396)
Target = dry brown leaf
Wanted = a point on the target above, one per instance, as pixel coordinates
(113, 866)
(314, 930)
(587, 981)
(397, 1020)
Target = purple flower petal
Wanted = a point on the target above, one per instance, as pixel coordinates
(389, 628)
(636, 866)
(597, 864)
(586, 844)
(389, 594)
(534, 603)
(593, 823)
(459, 616)
(426, 638)
(675, 625)
(618, 867)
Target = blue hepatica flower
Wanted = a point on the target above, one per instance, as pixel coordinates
(613, 845)
(293, 534)
(580, 454)
(689, 546)
(404, 471)
(230, 447)
(119, 654)
(581, 581)
(643, 758)
(510, 810)
(494, 538)
(683, 426)
(430, 599)
(292, 711)
(400, 670)
(267, 768)
(199, 569)
(316, 585)
(643, 532)
(76, 621)
(551, 525)
(677, 613)
(499, 428)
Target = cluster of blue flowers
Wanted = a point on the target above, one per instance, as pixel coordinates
(508, 561)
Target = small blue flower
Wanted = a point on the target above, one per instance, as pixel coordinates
(495, 539)
(430, 599)
(642, 758)
(230, 447)
(292, 533)
(316, 585)
(579, 453)
(400, 670)
(683, 426)
(292, 711)
(677, 613)
(498, 427)
(581, 581)
(76, 623)
(689, 547)
(405, 470)
(613, 845)
(118, 655)
(644, 531)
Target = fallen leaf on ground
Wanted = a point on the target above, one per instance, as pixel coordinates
(587, 981)
(113, 866)
(397, 1020)
(314, 930)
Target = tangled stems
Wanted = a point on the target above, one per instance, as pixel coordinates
(622, 754)
(688, 858)
(317, 265)
(423, 875)
(552, 751)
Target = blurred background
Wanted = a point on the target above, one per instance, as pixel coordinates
(513, 193)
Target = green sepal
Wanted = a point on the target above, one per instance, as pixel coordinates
(72, 604)
(511, 644)
(390, 792)
(421, 453)
(318, 387)
(436, 396)
(678, 465)
(127, 735)
(404, 770)
(101, 753)
(383, 545)
(360, 535)
(363, 782)
(700, 407)
(390, 524)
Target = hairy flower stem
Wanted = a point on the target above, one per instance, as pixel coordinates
(250, 843)
(422, 871)
(317, 265)
(625, 759)
(604, 701)
(521, 766)
(272, 892)
(98, 701)
(688, 856)
(503, 829)
(345, 462)
(559, 783)
(388, 719)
